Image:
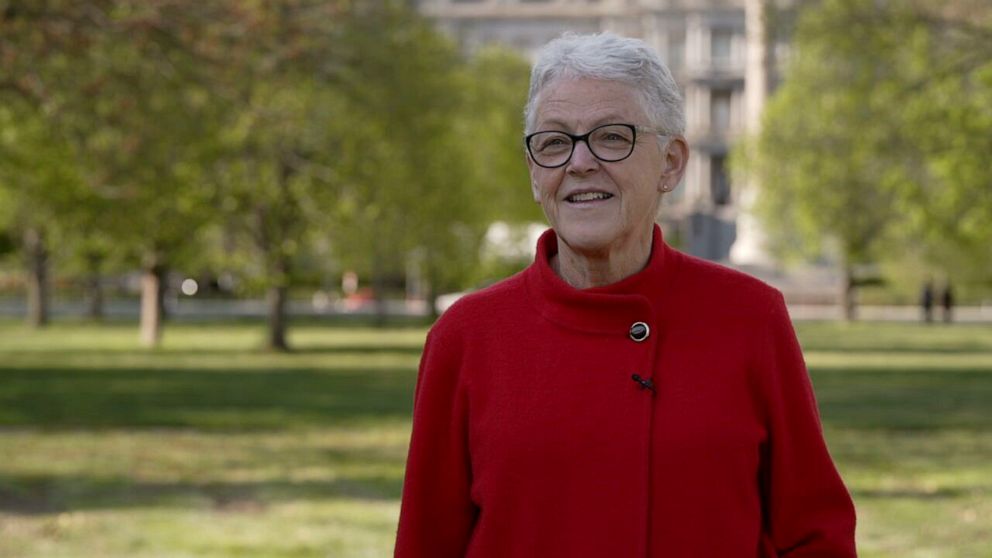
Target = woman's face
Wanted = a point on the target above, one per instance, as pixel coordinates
(627, 192)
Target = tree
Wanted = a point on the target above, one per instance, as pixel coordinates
(243, 133)
(945, 108)
(123, 84)
(38, 188)
(870, 148)
(441, 155)
(277, 165)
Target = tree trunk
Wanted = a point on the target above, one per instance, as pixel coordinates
(277, 297)
(152, 299)
(277, 318)
(848, 295)
(378, 290)
(276, 256)
(94, 289)
(37, 284)
(431, 299)
(431, 291)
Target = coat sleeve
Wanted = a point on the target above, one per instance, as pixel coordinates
(437, 513)
(808, 511)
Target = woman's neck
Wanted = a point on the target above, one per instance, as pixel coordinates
(598, 269)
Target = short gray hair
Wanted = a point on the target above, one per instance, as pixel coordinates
(607, 56)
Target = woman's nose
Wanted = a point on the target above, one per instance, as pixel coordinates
(582, 161)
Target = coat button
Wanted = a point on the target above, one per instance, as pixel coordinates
(639, 331)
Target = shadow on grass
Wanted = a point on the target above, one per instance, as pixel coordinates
(62, 353)
(920, 399)
(913, 494)
(200, 398)
(46, 494)
(359, 349)
(965, 349)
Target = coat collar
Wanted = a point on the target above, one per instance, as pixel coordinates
(611, 309)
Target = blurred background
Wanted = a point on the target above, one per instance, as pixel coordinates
(225, 227)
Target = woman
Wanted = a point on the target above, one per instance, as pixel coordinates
(616, 398)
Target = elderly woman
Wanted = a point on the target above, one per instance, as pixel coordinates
(617, 397)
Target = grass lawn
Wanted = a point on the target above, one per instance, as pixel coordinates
(209, 447)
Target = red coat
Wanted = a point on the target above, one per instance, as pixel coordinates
(532, 439)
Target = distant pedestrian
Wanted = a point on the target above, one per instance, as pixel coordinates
(947, 302)
(926, 301)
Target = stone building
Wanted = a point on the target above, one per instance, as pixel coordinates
(716, 51)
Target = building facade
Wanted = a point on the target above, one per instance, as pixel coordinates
(715, 49)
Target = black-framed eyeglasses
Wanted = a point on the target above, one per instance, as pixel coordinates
(609, 143)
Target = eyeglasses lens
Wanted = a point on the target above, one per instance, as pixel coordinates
(608, 143)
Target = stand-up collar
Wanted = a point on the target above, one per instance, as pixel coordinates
(608, 309)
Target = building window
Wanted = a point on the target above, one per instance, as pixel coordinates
(719, 184)
(720, 109)
(720, 46)
(676, 51)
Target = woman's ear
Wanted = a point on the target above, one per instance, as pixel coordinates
(534, 190)
(676, 157)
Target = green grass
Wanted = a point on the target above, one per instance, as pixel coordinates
(907, 411)
(209, 447)
(205, 447)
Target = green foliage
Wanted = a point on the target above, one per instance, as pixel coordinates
(497, 90)
(120, 91)
(876, 145)
(433, 155)
(406, 184)
(273, 171)
(258, 138)
(40, 187)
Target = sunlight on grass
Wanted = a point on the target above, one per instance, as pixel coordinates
(907, 410)
(212, 447)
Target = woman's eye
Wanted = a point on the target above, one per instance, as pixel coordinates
(612, 136)
(552, 143)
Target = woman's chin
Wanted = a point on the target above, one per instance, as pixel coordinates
(588, 241)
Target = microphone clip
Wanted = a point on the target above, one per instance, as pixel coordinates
(645, 383)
